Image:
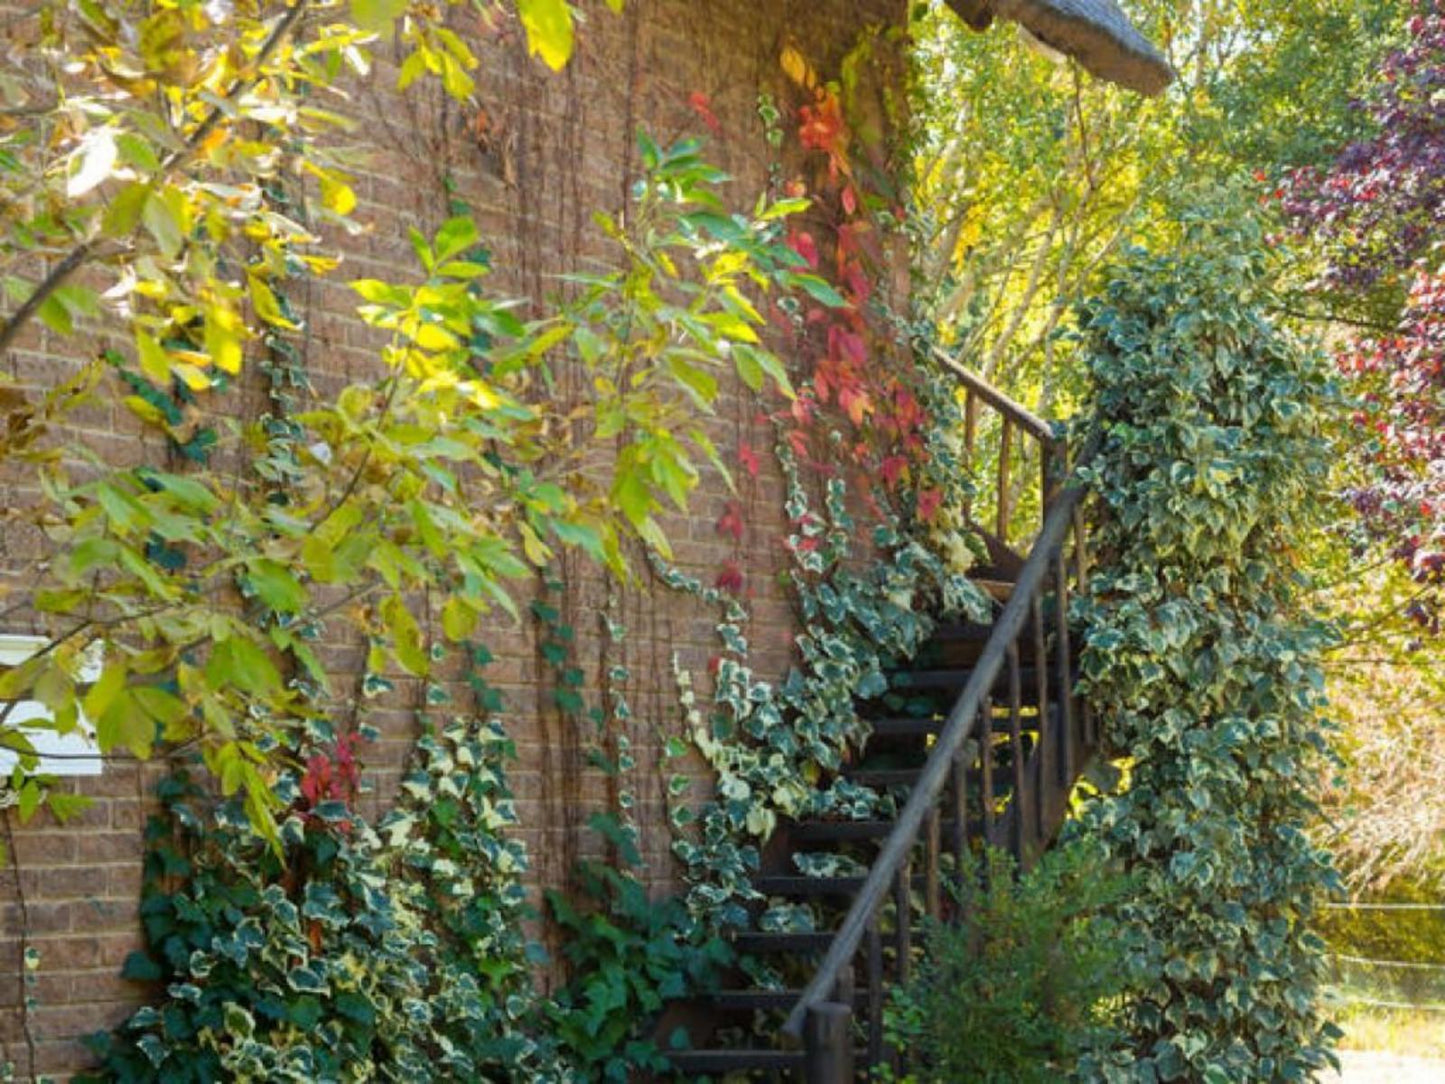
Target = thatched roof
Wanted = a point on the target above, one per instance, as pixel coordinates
(1094, 32)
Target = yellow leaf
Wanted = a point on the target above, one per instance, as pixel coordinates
(223, 338)
(337, 196)
(153, 360)
(797, 68)
(458, 620)
(266, 305)
(549, 30)
(434, 337)
(147, 412)
(194, 378)
(537, 551)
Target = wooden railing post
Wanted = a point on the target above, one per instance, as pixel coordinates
(1005, 484)
(828, 1044)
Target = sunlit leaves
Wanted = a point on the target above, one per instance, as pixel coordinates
(1198, 655)
(549, 26)
(377, 15)
(95, 158)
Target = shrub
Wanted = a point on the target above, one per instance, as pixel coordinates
(1021, 985)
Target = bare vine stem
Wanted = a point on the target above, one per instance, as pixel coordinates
(22, 974)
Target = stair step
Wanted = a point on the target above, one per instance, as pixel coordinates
(700, 1062)
(1000, 590)
(787, 884)
(850, 831)
(909, 727)
(765, 1000)
(767, 942)
(901, 727)
(883, 777)
(957, 677)
(796, 885)
(841, 831)
(960, 631)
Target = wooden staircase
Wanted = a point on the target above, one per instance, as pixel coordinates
(978, 741)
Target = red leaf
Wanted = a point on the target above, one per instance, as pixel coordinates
(730, 579)
(749, 459)
(731, 521)
(702, 106)
(801, 242)
(929, 501)
(893, 468)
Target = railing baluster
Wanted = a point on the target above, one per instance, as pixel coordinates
(1005, 462)
(1062, 653)
(970, 422)
(961, 765)
(970, 440)
(1041, 659)
(985, 769)
(932, 844)
(875, 993)
(1081, 551)
(1016, 750)
(1081, 586)
(903, 923)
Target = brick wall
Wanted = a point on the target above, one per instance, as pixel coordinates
(548, 151)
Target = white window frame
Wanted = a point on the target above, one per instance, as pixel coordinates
(60, 754)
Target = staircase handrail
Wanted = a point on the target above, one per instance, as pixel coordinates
(930, 783)
(1011, 408)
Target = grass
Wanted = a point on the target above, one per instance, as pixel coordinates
(1413, 1032)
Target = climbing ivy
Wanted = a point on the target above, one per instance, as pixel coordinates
(1201, 662)
(354, 952)
(777, 747)
(627, 955)
(877, 540)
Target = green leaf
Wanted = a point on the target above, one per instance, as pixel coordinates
(123, 211)
(816, 288)
(378, 16)
(139, 967)
(275, 585)
(31, 795)
(55, 316)
(406, 636)
(103, 693)
(751, 362)
(455, 237)
(236, 662)
(167, 218)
